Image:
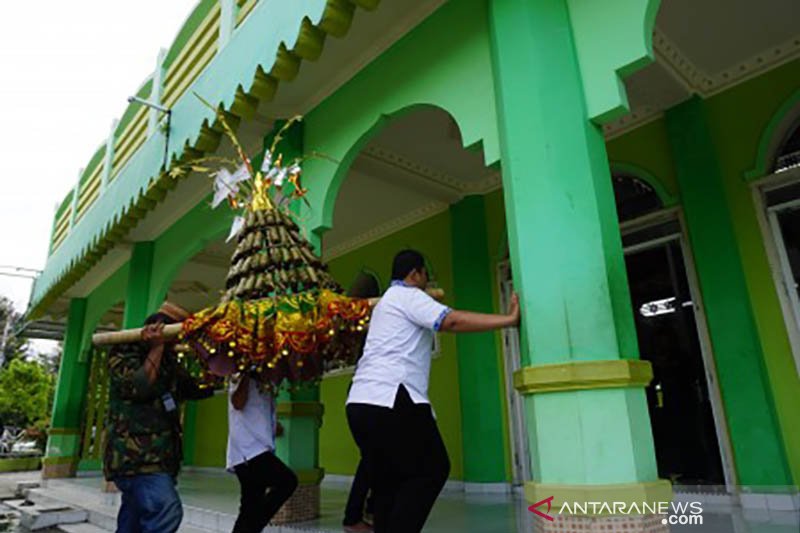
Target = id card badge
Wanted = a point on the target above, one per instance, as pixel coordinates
(169, 402)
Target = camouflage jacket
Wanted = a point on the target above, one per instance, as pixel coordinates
(143, 435)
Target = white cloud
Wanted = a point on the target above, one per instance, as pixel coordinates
(66, 70)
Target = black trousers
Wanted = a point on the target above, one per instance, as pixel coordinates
(257, 506)
(406, 460)
(354, 512)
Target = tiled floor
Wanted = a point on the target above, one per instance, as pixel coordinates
(453, 512)
(459, 512)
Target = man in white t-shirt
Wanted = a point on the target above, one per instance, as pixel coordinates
(388, 409)
(251, 447)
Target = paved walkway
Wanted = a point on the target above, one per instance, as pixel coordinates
(211, 501)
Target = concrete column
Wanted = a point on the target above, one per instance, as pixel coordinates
(588, 425)
(758, 449)
(300, 411)
(63, 444)
(479, 370)
(138, 291)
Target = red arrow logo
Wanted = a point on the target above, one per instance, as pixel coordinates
(548, 501)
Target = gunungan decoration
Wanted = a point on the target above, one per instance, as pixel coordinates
(282, 316)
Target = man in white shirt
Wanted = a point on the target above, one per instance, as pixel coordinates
(388, 409)
(251, 446)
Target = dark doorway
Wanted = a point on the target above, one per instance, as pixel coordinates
(687, 448)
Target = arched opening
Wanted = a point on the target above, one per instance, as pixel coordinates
(201, 280)
(668, 334)
(365, 285)
(406, 181)
(634, 197)
(411, 169)
(788, 156)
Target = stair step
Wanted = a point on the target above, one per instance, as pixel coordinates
(81, 528)
(41, 515)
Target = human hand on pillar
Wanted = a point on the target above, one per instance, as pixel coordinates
(513, 309)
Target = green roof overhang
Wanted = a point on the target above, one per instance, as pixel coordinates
(266, 49)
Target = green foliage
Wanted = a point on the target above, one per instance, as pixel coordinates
(11, 346)
(26, 394)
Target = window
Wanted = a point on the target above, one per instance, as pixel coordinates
(634, 197)
(789, 153)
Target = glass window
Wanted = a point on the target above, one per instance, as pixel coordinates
(634, 197)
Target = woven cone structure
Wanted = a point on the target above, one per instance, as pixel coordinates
(282, 317)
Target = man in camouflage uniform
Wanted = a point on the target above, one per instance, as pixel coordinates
(144, 447)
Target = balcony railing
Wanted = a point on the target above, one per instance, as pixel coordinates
(203, 34)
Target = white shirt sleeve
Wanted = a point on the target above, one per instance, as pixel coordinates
(424, 311)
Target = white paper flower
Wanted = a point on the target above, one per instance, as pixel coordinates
(222, 188)
(225, 183)
(279, 179)
(267, 164)
(236, 228)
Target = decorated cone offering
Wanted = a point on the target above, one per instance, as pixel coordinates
(282, 316)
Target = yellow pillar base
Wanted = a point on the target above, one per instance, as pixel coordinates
(302, 506)
(59, 467)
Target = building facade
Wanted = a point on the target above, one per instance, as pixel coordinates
(630, 167)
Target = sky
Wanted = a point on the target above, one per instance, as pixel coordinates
(66, 71)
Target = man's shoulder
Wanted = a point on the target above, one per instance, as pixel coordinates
(406, 295)
(403, 292)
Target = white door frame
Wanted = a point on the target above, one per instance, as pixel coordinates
(521, 469)
(521, 463)
(706, 351)
(776, 252)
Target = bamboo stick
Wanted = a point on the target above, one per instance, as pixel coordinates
(172, 330)
(133, 335)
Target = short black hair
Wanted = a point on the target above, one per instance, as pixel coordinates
(159, 317)
(405, 262)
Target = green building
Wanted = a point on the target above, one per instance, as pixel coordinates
(632, 166)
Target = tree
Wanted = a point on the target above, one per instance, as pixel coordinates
(26, 394)
(11, 346)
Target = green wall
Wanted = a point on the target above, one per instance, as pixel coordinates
(479, 371)
(497, 251)
(338, 453)
(737, 119)
(211, 432)
(646, 149)
(728, 312)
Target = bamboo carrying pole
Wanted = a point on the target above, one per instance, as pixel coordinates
(172, 330)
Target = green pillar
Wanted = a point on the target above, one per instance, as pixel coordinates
(479, 372)
(299, 410)
(189, 432)
(63, 445)
(588, 426)
(755, 433)
(137, 294)
(300, 413)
